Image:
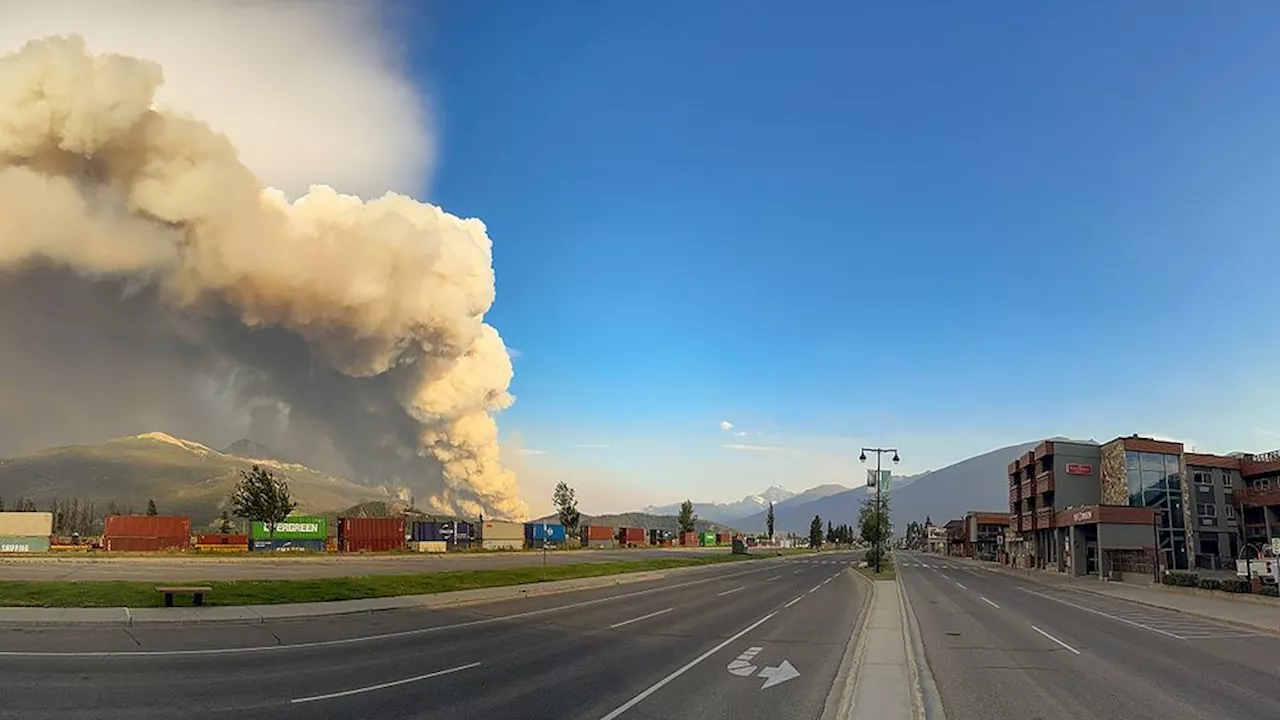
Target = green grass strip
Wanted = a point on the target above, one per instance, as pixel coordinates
(135, 594)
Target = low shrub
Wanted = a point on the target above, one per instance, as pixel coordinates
(1210, 584)
(1238, 585)
(1270, 591)
(1182, 579)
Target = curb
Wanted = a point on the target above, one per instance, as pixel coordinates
(1028, 574)
(925, 700)
(258, 614)
(839, 704)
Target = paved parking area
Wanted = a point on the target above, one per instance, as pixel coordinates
(1172, 624)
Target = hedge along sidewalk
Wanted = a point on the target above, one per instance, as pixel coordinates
(120, 602)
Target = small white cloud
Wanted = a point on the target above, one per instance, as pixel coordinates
(531, 451)
(725, 425)
(589, 446)
(514, 353)
(752, 448)
(740, 433)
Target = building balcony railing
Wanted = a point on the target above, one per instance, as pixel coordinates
(1044, 483)
(1257, 496)
(1044, 518)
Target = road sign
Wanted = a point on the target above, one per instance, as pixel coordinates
(774, 675)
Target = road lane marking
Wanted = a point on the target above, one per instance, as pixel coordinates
(824, 582)
(1106, 615)
(642, 617)
(362, 638)
(989, 602)
(797, 572)
(960, 585)
(685, 668)
(383, 686)
(945, 576)
(730, 592)
(1033, 627)
(793, 602)
(775, 577)
(815, 587)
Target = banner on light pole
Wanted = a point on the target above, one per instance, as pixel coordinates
(885, 479)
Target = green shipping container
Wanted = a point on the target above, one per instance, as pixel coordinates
(26, 544)
(293, 528)
(707, 538)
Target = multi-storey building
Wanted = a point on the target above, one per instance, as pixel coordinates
(1083, 507)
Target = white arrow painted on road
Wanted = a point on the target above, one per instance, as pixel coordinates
(778, 675)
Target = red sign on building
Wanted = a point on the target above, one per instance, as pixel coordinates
(1079, 469)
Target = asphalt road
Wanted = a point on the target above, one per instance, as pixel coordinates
(662, 649)
(1003, 647)
(184, 568)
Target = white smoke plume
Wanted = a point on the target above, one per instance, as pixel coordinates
(132, 236)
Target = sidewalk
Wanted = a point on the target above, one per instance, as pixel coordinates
(883, 688)
(1236, 612)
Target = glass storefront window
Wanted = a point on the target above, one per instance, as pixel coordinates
(1152, 461)
(1172, 464)
(1131, 460)
(1152, 479)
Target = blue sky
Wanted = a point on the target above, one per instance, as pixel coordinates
(949, 227)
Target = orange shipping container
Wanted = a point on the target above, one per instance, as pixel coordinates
(147, 526)
(688, 538)
(597, 532)
(372, 528)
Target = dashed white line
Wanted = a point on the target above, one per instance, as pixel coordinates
(989, 602)
(383, 686)
(793, 602)
(824, 582)
(1106, 615)
(797, 572)
(658, 685)
(642, 617)
(960, 585)
(815, 587)
(730, 592)
(1033, 627)
(775, 577)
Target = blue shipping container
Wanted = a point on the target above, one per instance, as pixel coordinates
(538, 532)
(459, 531)
(426, 531)
(286, 545)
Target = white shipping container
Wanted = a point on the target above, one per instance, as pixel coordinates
(428, 546)
(503, 544)
(496, 530)
(26, 524)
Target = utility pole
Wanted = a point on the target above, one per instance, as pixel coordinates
(879, 507)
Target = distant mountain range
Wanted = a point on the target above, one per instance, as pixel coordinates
(183, 477)
(975, 484)
(727, 512)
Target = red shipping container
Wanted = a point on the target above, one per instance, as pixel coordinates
(632, 536)
(147, 526)
(723, 538)
(370, 544)
(219, 539)
(688, 538)
(597, 532)
(370, 534)
(145, 544)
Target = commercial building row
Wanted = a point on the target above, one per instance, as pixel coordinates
(1121, 506)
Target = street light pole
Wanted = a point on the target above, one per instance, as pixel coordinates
(879, 508)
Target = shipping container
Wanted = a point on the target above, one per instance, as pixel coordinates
(659, 537)
(501, 544)
(428, 546)
(287, 545)
(30, 544)
(688, 538)
(707, 539)
(148, 526)
(723, 538)
(629, 536)
(113, 543)
(538, 534)
(498, 530)
(426, 531)
(26, 524)
(299, 527)
(596, 532)
(370, 534)
(220, 539)
(462, 532)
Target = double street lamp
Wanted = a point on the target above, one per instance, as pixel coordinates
(879, 507)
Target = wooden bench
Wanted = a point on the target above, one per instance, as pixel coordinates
(196, 592)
